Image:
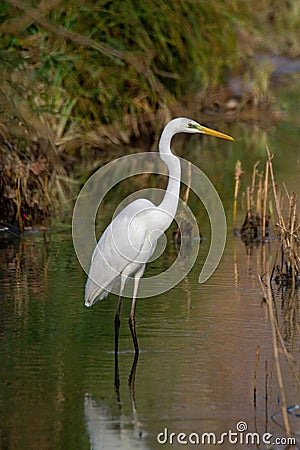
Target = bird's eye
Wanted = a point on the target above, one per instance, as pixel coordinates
(191, 125)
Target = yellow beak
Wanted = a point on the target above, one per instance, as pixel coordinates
(215, 133)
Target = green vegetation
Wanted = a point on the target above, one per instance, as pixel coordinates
(81, 76)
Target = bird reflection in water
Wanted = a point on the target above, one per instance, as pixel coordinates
(109, 429)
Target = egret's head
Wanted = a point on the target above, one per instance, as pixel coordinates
(184, 125)
(194, 127)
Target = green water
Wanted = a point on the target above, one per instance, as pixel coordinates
(195, 372)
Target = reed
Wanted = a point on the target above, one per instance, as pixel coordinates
(256, 224)
(287, 269)
(237, 175)
(261, 195)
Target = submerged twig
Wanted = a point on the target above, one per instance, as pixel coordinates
(257, 353)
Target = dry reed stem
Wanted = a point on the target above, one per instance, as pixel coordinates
(286, 191)
(259, 196)
(274, 330)
(248, 192)
(290, 244)
(237, 175)
(277, 204)
(265, 197)
(255, 223)
(292, 251)
(254, 173)
(298, 328)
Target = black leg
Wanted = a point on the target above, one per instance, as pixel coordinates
(131, 317)
(117, 328)
(117, 378)
(131, 382)
(133, 333)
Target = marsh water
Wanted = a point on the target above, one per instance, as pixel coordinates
(203, 347)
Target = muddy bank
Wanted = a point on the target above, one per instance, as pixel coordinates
(42, 171)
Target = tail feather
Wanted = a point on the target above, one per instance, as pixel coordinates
(93, 292)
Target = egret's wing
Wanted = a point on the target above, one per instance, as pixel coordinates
(123, 248)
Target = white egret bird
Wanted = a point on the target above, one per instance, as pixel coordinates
(130, 239)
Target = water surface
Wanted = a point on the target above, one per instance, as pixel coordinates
(201, 345)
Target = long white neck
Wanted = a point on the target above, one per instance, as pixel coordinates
(168, 206)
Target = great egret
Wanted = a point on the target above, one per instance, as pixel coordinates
(130, 239)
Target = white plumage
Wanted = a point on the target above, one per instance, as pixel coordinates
(124, 248)
(129, 241)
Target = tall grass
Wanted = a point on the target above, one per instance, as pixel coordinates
(280, 22)
(119, 57)
(69, 71)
